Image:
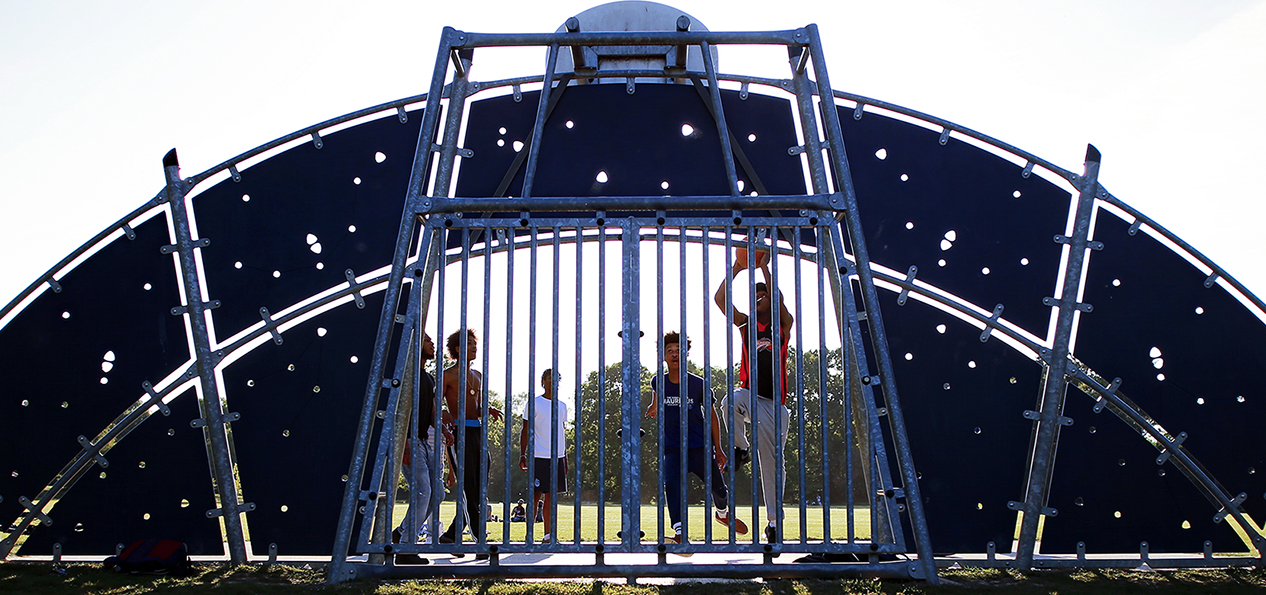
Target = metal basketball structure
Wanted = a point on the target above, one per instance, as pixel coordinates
(198, 370)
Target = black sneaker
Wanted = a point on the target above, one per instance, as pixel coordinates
(411, 559)
(741, 457)
(446, 538)
(771, 534)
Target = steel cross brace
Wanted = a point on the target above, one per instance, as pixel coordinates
(1042, 463)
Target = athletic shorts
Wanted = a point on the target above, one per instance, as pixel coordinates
(541, 469)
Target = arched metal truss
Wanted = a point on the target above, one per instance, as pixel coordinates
(67, 420)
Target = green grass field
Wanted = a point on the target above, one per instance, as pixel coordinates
(695, 523)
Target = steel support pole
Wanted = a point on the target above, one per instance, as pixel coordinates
(631, 389)
(879, 339)
(338, 571)
(218, 453)
(1042, 464)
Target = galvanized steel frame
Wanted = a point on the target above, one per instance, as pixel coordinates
(1104, 393)
(459, 46)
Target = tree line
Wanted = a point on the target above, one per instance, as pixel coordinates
(605, 431)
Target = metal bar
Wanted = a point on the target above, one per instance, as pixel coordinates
(533, 292)
(521, 156)
(505, 527)
(215, 431)
(459, 429)
(577, 401)
(892, 570)
(1042, 465)
(864, 406)
(391, 446)
(796, 37)
(823, 391)
(874, 318)
(554, 378)
(435, 256)
(386, 321)
(602, 381)
(631, 385)
(661, 488)
(704, 399)
(779, 372)
(718, 112)
(740, 156)
(463, 366)
(791, 202)
(457, 91)
(753, 386)
(709, 390)
(804, 495)
(485, 470)
(538, 125)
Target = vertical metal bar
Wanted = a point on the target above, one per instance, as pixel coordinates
(209, 405)
(417, 182)
(378, 514)
(463, 365)
(489, 235)
(823, 398)
(457, 93)
(442, 449)
(631, 454)
(511, 248)
(879, 338)
(661, 488)
(602, 381)
(1043, 463)
(753, 385)
(577, 401)
(552, 527)
(802, 87)
(804, 496)
(709, 390)
(864, 406)
(703, 399)
(538, 125)
(533, 292)
(485, 470)
(723, 131)
(778, 371)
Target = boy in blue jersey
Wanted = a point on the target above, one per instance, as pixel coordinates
(691, 449)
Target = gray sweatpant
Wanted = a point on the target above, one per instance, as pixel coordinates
(744, 405)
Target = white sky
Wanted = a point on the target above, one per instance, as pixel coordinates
(93, 94)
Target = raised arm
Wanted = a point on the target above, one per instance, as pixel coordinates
(722, 297)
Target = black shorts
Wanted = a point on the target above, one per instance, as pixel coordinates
(541, 469)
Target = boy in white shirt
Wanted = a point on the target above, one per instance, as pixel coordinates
(541, 410)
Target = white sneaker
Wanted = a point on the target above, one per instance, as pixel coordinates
(547, 538)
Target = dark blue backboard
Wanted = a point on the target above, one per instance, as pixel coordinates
(964, 402)
(76, 359)
(1208, 348)
(299, 403)
(340, 195)
(921, 191)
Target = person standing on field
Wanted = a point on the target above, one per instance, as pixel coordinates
(543, 449)
(691, 449)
